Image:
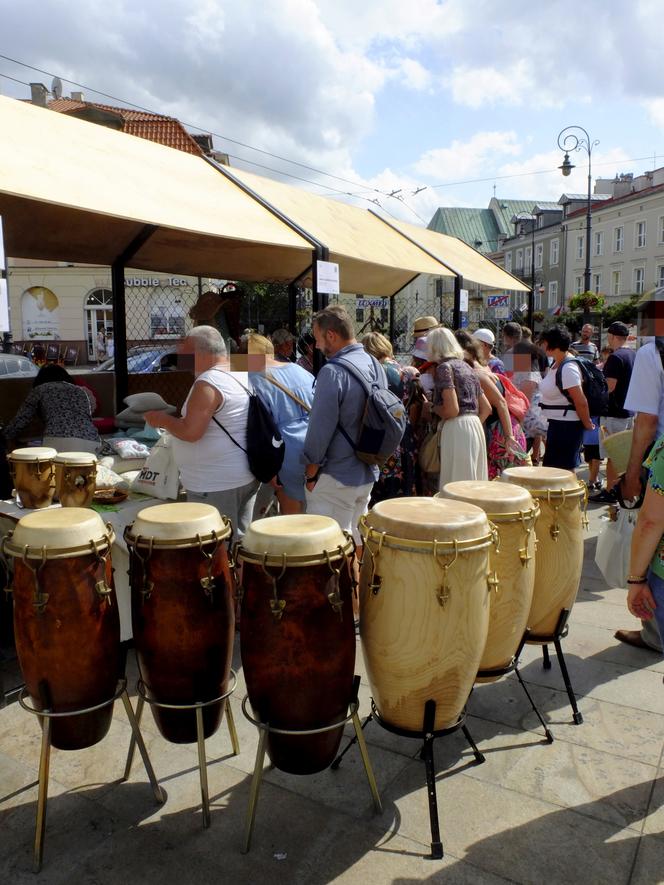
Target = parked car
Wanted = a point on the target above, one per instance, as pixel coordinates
(15, 366)
(144, 359)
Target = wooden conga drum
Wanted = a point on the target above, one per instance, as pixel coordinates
(75, 477)
(298, 634)
(513, 512)
(66, 619)
(182, 612)
(559, 531)
(33, 475)
(424, 606)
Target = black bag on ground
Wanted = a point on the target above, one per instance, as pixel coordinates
(265, 446)
(595, 388)
(383, 421)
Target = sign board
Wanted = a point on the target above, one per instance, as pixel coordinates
(464, 320)
(327, 273)
(371, 302)
(497, 300)
(502, 313)
(463, 300)
(4, 295)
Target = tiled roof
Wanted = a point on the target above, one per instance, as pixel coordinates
(153, 127)
(477, 227)
(604, 204)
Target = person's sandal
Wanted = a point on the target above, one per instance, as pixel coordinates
(634, 638)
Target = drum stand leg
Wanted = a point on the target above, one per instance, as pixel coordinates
(255, 788)
(137, 739)
(230, 720)
(559, 633)
(546, 660)
(44, 762)
(351, 743)
(547, 733)
(427, 753)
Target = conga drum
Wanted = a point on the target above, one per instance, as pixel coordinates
(33, 475)
(66, 619)
(75, 477)
(424, 606)
(182, 612)
(298, 634)
(559, 532)
(513, 512)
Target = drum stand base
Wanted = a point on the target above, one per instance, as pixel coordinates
(560, 632)
(45, 716)
(143, 699)
(264, 729)
(513, 667)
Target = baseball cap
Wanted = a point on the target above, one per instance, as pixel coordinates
(618, 328)
(420, 349)
(485, 335)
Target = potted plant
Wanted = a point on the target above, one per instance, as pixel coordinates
(586, 302)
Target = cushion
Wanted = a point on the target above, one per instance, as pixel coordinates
(144, 402)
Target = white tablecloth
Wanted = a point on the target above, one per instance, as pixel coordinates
(126, 513)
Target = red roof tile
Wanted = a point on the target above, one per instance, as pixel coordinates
(607, 204)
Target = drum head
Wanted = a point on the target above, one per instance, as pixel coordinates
(182, 521)
(76, 459)
(62, 529)
(541, 478)
(33, 453)
(428, 519)
(492, 497)
(300, 535)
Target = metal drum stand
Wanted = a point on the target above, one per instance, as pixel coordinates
(45, 716)
(264, 729)
(560, 632)
(143, 699)
(513, 667)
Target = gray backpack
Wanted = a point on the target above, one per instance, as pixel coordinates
(384, 420)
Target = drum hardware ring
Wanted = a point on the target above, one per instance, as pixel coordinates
(207, 582)
(442, 593)
(142, 688)
(334, 596)
(277, 605)
(40, 598)
(412, 545)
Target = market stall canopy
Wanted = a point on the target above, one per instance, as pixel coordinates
(373, 258)
(460, 257)
(76, 191)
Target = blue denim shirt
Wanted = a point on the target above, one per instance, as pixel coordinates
(340, 399)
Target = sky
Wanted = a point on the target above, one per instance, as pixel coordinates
(399, 105)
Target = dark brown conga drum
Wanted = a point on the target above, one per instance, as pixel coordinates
(298, 634)
(182, 612)
(66, 619)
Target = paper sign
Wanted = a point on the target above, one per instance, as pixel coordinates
(4, 296)
(463, 300)
(502, 313)
(328, 277)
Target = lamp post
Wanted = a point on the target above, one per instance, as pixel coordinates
(575, 138)
(523, 217)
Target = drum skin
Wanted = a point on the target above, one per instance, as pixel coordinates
(299, 669)
(183, 636)
(559, 531)
(70, 651)
(416, 649)
(513, 564)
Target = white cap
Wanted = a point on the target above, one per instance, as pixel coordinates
(485, 335)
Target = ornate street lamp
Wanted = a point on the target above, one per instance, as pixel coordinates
(575, 138)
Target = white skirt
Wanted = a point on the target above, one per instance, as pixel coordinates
(462, 450)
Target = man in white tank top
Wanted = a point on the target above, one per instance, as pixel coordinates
(213, 468)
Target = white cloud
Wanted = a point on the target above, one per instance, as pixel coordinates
(463, 159)
(415, 76)
(655, 109)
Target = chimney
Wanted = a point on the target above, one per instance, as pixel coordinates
(77, 96)
(38, 93)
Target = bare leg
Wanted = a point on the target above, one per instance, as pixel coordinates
(288, 506)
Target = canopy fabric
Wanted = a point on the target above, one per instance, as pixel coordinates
(461, 257)
(373, 258)
(76, 191)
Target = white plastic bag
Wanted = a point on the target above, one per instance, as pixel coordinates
(613, 548)
(159, 476)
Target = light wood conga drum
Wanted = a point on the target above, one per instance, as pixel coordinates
(513, 512)
(424, 606)
(66, 619)
(182, 612)
(75, 476)
(559, 531)
(33, 475)
(298, 634)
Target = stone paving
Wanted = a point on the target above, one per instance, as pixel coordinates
(587, 808)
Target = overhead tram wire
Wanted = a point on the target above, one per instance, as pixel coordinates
(368, 188)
